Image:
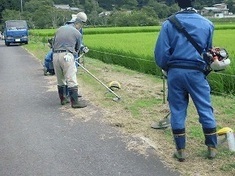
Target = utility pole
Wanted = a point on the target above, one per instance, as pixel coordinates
(21, 6)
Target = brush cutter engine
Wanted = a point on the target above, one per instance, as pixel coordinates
(218, 58)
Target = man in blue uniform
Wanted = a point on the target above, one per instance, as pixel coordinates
(67, 43)
(184, 65)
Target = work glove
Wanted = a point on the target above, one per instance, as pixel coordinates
(85, 49)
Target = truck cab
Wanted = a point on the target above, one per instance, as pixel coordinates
(15, 31)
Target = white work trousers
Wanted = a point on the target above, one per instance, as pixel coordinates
(65, 69)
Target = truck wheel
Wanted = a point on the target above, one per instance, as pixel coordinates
(7, 43)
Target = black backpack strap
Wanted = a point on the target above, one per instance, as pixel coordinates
(180, 28)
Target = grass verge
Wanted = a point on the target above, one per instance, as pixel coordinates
(141, 104)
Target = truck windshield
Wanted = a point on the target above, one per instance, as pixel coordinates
(16, 24)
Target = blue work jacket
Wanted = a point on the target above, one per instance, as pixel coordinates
(173, 48)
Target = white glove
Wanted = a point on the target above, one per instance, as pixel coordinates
(85, 49)
(68, 57)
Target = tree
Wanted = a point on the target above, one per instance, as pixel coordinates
(51, 18)
(135, 18)
(161, 9)
(33, 5)
(42, 13)
(11, 15)
(129, 4)
(92, 8)
(231, 5)
(107, 5)
(148, 10)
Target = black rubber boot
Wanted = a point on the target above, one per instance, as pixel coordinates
(67, 91)
(62, 94)
(75, 101)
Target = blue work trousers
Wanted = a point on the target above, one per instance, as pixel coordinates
(183, 83)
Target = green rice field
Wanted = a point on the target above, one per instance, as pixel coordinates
(133, 48)
(138, 41)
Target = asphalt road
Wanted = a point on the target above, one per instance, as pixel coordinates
(36, 139)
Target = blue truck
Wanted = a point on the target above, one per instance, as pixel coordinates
(15, 31)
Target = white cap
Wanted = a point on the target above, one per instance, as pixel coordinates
(74, 16)
(81, 16)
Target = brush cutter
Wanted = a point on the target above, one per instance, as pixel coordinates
(117, 98)
(165, 122)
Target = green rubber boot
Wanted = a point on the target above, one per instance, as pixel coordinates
(75, 101)
(180, 155)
